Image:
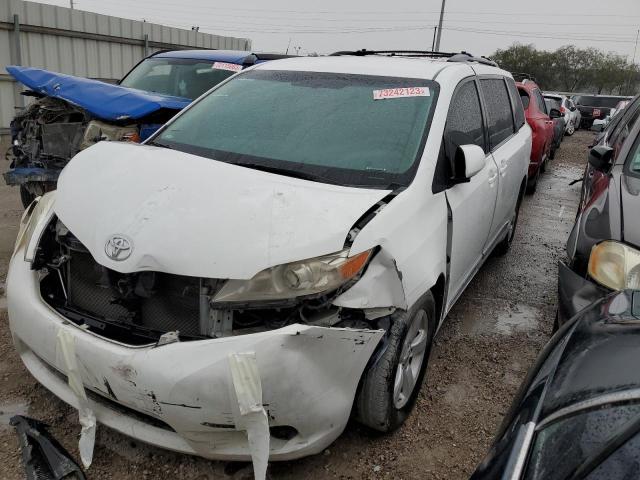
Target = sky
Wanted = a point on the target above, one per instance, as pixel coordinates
(477, 26)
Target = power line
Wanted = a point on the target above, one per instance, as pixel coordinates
(361, 13)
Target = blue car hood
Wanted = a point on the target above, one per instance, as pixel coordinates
(103, 100)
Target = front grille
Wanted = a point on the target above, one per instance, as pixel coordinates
(168, 303)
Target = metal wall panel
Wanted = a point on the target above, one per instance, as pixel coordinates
(84, 44)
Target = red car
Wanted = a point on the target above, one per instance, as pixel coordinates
(541, 122)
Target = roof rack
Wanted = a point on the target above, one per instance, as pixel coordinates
(451, 57)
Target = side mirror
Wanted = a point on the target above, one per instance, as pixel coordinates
(554, 113)
(600, 158)
(573, 109)
(470, 159)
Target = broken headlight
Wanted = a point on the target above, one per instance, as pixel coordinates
(615, 265)
(306, 277)
(98, 131)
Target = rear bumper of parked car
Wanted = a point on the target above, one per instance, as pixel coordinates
(575, 293)
(180, 396)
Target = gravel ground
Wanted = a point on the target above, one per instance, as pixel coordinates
(482, 353)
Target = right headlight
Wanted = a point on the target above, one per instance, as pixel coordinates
(307, 277)
(615, 265)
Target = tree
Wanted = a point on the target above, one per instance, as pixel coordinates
(572, 69)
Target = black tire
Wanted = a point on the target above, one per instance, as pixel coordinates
(374, 405)
(552, 155)
(26, 196)
(532, 183)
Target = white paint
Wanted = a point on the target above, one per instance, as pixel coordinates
(194, 216)
(308, 375)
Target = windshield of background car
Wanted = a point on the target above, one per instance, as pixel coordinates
(179, 77)
(590, 101)
(564, 445)
(346, 129)
(552, 103)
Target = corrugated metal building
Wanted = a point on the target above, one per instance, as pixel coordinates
(84, 44)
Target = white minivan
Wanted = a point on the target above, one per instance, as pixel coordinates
(276, 257)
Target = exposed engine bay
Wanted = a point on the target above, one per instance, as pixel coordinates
(144, 307)
(50, 131)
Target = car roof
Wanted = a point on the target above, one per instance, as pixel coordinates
(528, 85)
(379, 65)
(228, 56)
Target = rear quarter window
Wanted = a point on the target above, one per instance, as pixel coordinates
(498, 105)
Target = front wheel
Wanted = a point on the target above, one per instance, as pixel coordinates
(390, 387)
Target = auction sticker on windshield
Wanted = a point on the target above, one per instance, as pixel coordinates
(232, 67)
(401, 92)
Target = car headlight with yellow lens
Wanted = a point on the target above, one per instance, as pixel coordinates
(615, 265)
(308, 277)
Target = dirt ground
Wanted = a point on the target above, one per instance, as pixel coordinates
(481, 355)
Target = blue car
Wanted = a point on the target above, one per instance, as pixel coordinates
(72, 113)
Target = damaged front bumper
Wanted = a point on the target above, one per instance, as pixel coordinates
(180, 395)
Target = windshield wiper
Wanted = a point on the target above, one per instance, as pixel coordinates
(617, 440)
(155, 143)
(285, 171)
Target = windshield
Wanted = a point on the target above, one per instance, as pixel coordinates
(179, 77)
(590, 101)
(345, 129)
(552, 103)
(566, 446)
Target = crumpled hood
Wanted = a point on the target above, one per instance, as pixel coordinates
(103, 100)
(189, 215)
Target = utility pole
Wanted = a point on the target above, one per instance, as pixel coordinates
(440, 27)
(71, 4)
(635, 49)
(433, 42)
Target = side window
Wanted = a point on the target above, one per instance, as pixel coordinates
(516, 102)
(499, 116)
(464, 126)
(464, 122)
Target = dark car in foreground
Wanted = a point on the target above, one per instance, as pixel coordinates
(577, 414)
(71, 113)
(603, 250)
(596, 107)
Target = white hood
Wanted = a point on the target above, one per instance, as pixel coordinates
(194, 216)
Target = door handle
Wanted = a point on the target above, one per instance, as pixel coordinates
(494, 176)
(503, 168)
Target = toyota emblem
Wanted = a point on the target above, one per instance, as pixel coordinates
(118, 248)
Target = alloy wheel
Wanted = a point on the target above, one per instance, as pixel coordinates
(411, 358)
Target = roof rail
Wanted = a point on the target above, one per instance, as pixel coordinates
(451, 57)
